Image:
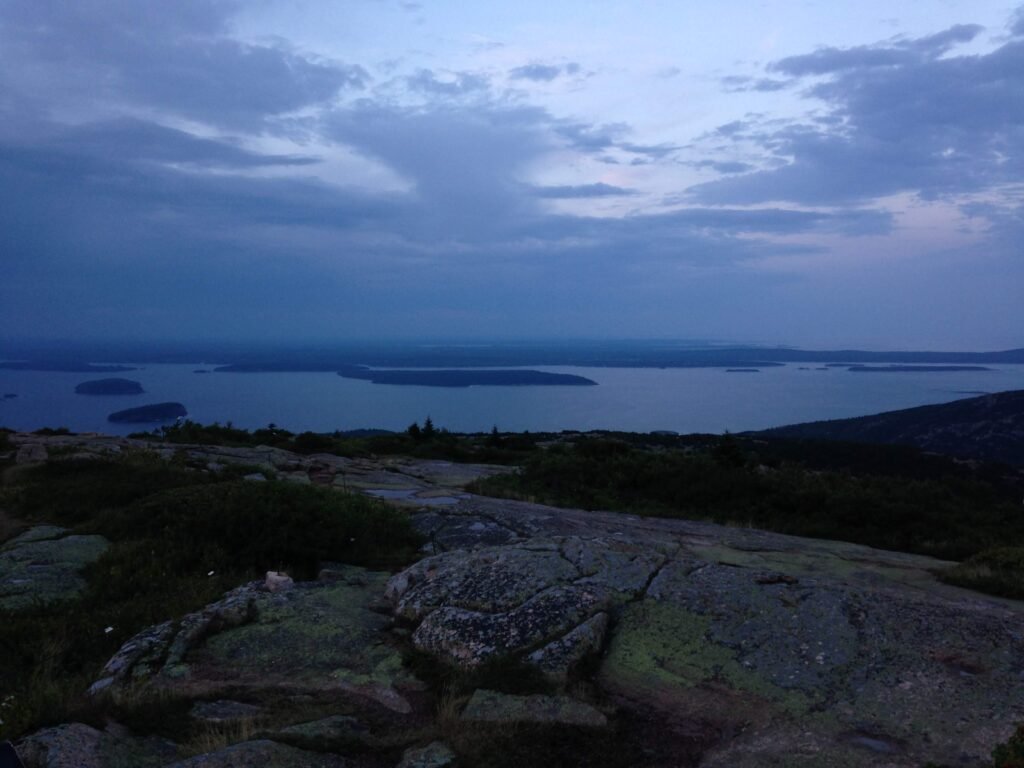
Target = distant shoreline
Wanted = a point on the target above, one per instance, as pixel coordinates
(266, 358)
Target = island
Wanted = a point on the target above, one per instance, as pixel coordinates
(914, 368)
(149, 414)
(742, 370)
(464, 378)
(109, 387)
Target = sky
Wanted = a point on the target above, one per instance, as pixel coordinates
(823, 174)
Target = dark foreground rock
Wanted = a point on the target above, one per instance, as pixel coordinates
(77, 745)
(795, 651)
(697, 644)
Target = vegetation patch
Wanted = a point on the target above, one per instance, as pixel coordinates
(997, 571)
(424, 442)
(1010, 754)
(180, 539)
(730, 481)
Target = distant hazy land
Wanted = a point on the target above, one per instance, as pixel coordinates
(239, 358)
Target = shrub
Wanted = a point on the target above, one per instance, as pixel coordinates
(998, 571)
(243, 526)
(71, 492)
(1010, 754)
(951, 517)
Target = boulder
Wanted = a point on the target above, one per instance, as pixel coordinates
(437, 754)
(323, 637)
(278, 581)
(77, 745)
(44, 564)
(31, 453)
(543, 599)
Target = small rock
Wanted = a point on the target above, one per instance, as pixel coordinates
(494, 707)
(31, 453)
(559, 658)
(224, 711)
(264, 753)
(330, 734)
(278, 581)
(435, 755)
(256, 477)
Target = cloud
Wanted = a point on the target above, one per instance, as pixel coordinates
(743, 83)
(119, 140)
(724, 166)
(582, 191)
(656, 151)
(465, 162)
(458, 84)
(901, 53)
(132, 193)
(589, 137)
(1017, 23)
(543, 73)
(176, 57)
(903, 117)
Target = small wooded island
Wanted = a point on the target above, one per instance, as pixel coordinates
(149, 414)
(109, 387)
(464, 378)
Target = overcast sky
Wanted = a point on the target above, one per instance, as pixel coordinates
(813, 173)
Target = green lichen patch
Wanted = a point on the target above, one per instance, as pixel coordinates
(664, 654)
(38, 568)
(314, 635)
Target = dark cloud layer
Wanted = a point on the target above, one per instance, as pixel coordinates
(582, 191)
(134, 193)
(543, 73)
(171, 56)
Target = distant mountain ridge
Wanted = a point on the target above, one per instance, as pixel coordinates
(989, 427)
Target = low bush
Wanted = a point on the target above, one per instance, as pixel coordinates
(997, 571)
(72, 492)
(244, 526)
(951, 517)
(1010, 754)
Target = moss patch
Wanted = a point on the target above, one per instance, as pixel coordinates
(663, 654)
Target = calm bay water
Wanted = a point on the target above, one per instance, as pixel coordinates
(631, 399)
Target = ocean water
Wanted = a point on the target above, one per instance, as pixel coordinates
(631, 399)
